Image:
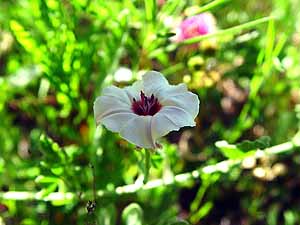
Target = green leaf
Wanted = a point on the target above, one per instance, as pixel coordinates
(193, 10)
(230, 151)
(107, 215)
(272, 215)
(173, 7)
(202, 212)
(44, 179)
(290, 217)
(261, 143)
(156, 160)
(52, 149)
(133, 214)
(46, 191)
(179, 222)
(57, 170)
(23, 36)
(150, 7)
(243, 149)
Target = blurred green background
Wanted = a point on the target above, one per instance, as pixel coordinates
(57, 55)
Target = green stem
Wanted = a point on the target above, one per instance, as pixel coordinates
(179, 180)
(173, 69)
(232, 30)
(147, 165)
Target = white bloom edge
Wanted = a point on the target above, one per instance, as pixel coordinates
(179, 109)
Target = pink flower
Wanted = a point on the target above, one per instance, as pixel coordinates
(194, 26)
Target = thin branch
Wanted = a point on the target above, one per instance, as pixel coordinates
(179, 180)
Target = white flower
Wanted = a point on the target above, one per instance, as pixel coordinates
(147, 110)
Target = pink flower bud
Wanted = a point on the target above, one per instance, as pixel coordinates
(194, 26)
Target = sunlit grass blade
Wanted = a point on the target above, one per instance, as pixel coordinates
(221, 33)
(266, 63)
(150, 8)
(174, 7)
(229, 31)
(200, 9)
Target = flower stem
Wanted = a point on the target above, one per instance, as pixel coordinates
(179, 180)
(147, 165)
(229, 31)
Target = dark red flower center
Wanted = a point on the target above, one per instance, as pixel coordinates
(146, 106)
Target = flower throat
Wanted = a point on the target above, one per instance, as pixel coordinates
(147, 106)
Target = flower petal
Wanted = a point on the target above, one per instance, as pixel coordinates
(134, 90)
(115, 122)
(187, 101)
(171, 91)
(118, 93)
(108, 105)
(169, 118)
(138, 132)
(153, 82)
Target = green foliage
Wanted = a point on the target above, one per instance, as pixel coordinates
(260, 143)
(181, 222)
(132, 214)
(244, 149)
(57, 56)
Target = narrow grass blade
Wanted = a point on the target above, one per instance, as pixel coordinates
(196, 9)
(229, 31)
